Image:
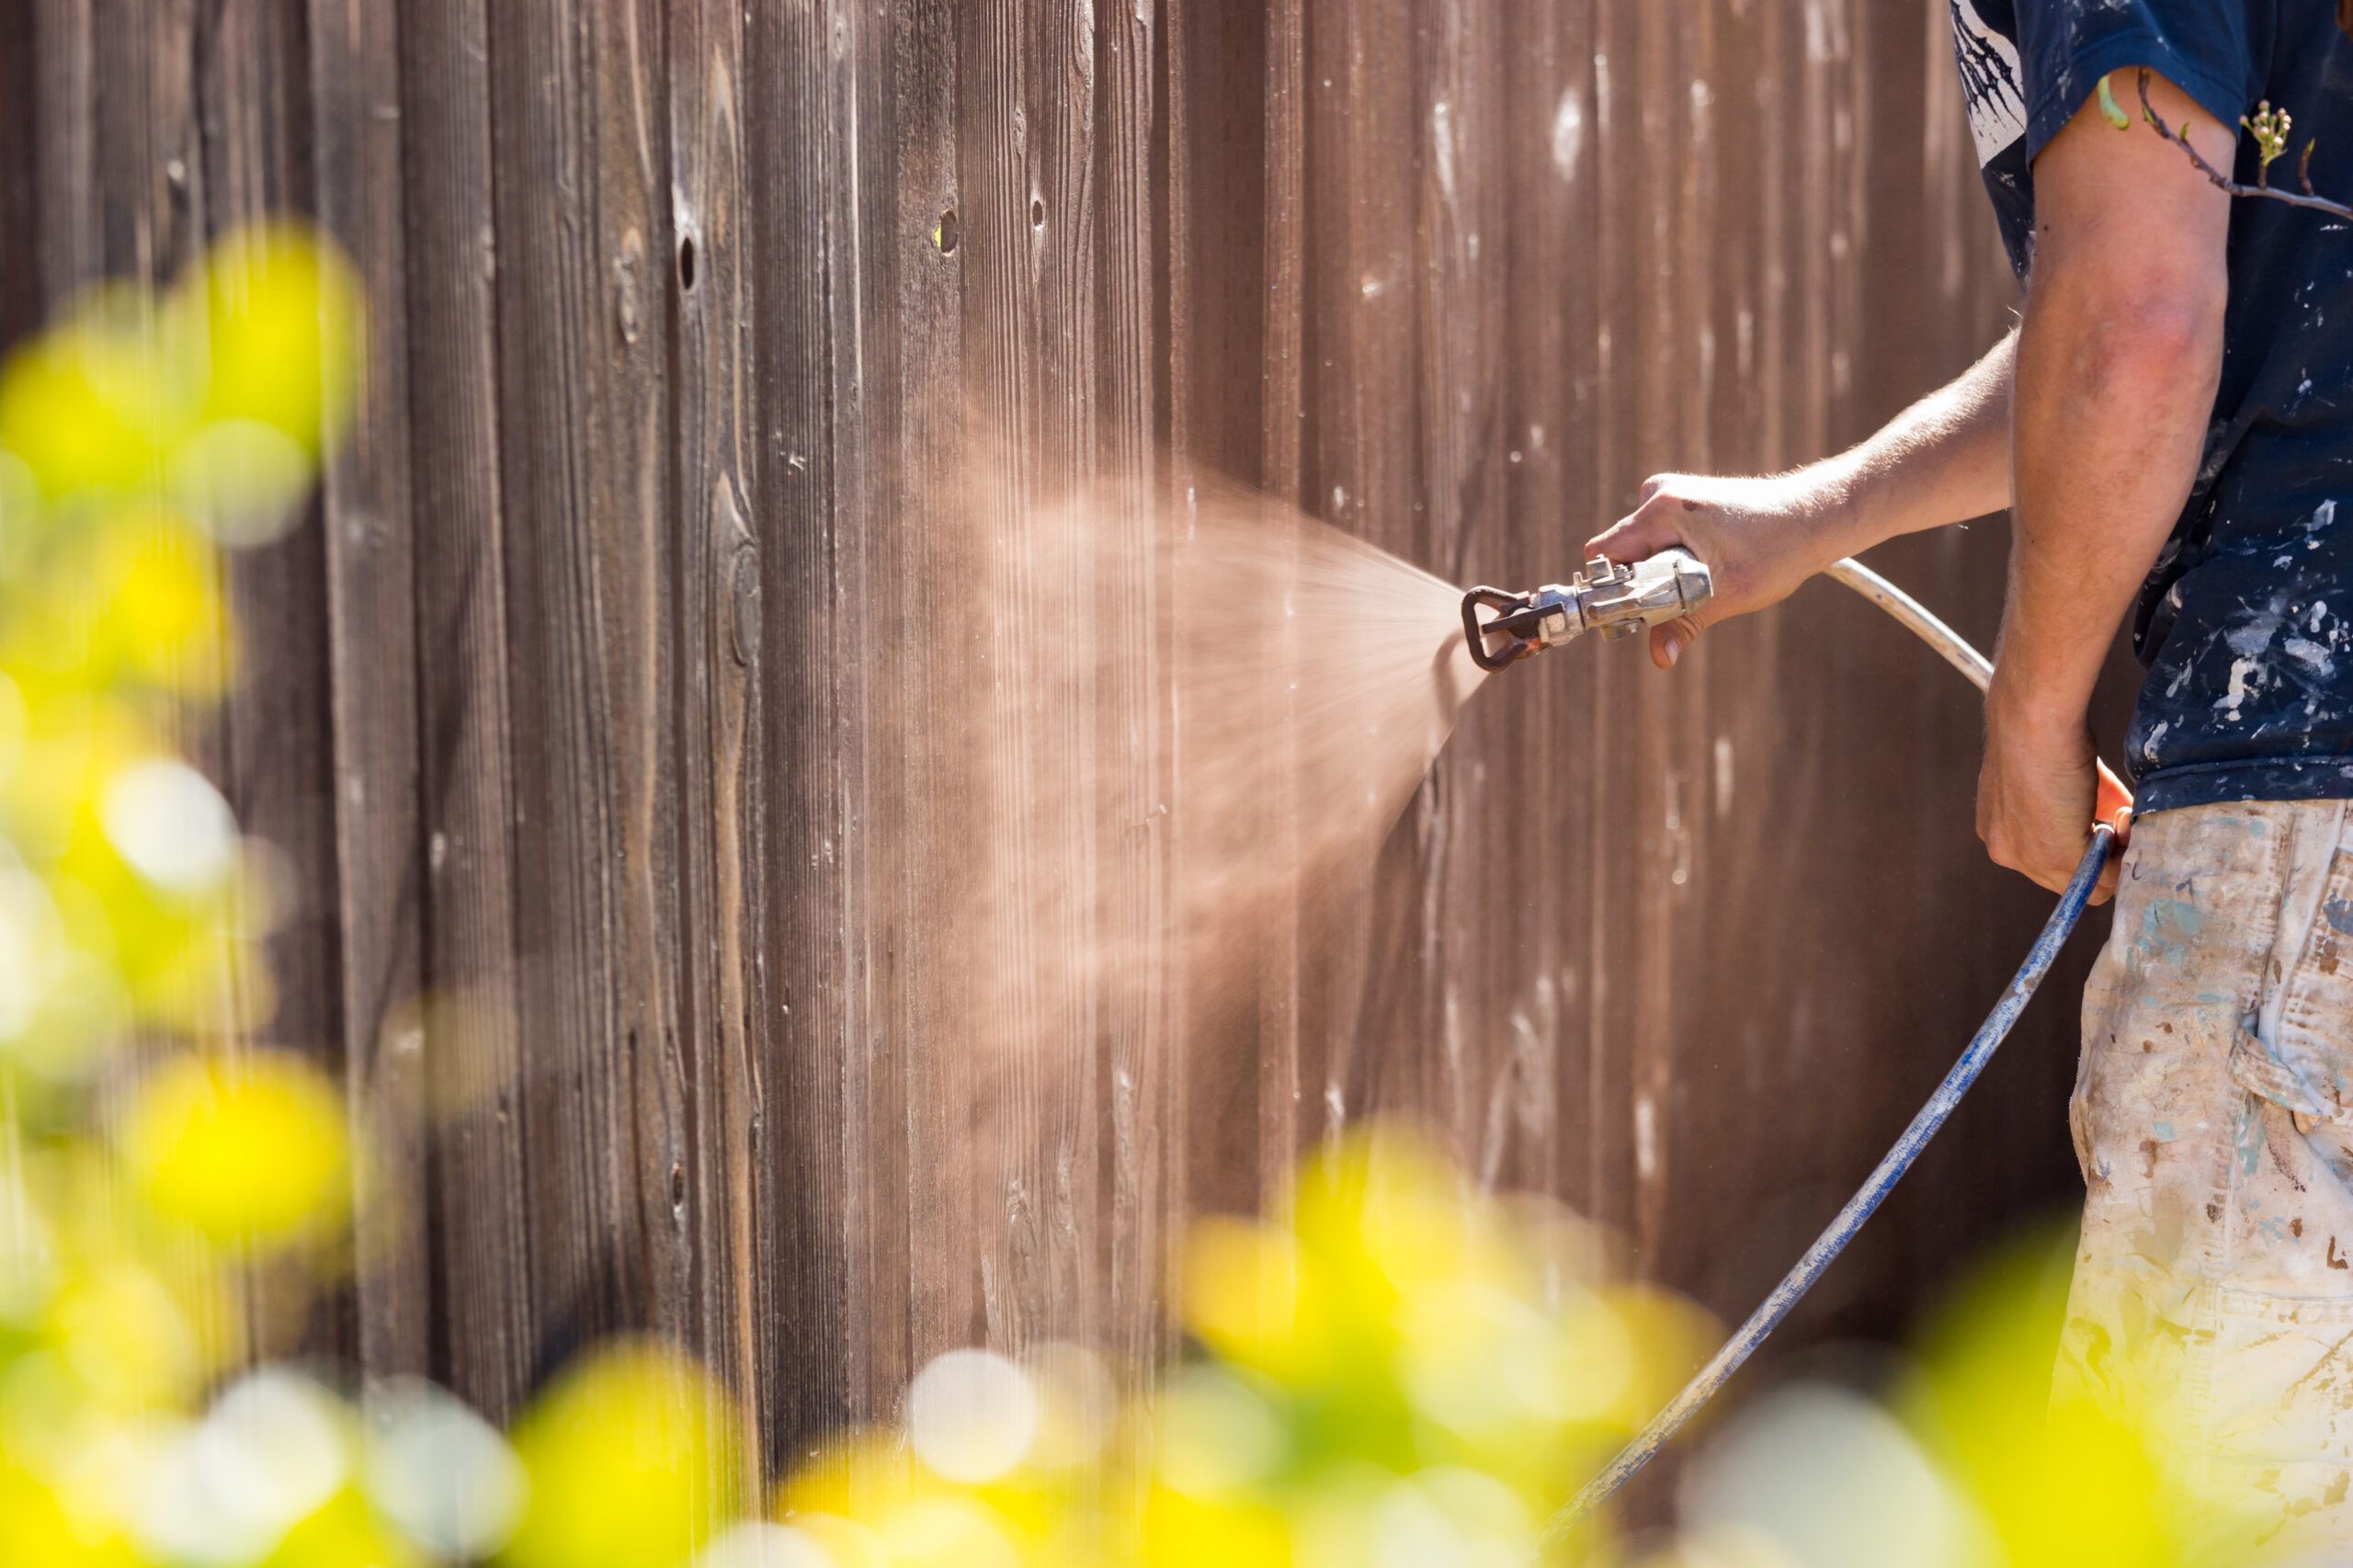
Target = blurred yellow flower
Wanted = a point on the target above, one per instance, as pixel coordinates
(37, 1528)
(252, 1150)
(630, 1455)
(849, 1477)
(1241, 1294)
(345, 1532)
(116, 1340)
(283, 326)
(128, 599)
(90, 407)
(2055, 1484)
(1181, 1530)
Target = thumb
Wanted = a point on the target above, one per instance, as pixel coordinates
(1670, 639)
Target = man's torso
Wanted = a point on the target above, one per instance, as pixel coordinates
(2245, 622)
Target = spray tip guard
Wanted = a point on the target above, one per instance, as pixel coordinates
(1512, 632)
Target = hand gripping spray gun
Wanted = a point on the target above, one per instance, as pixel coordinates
(1617, 601)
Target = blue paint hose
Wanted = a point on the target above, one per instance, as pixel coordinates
(1925, 1126)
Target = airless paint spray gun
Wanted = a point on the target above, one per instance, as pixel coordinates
(1617, 601)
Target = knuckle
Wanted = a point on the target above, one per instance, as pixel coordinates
(1656, 516)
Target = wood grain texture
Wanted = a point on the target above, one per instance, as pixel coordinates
(63, 172)
(721, 884)
(369, 529)
(483, 1302)
(20, 192)
(580, 177)
(673, 659)
(804, 236)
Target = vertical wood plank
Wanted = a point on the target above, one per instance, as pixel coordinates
(1026, 149)
(839, 1314)
(486, 1303)
(1131, 729)
(1234, 296)
(240, 158)
(20, 299)
(1364, 477)
(370, 540)
(1611, 255)
(226, 145)
(583, 422)
(1288, 1070)
(634, 497)
(1460, 263)
(1520, 1011)
(66, 191)
(722, 889)
(922, 570)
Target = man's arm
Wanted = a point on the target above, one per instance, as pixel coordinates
(2118, 361)
(1944, 459)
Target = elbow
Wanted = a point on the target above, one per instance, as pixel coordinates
(2132, 326)
(2175, 329)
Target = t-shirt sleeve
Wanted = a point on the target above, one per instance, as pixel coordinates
(2067, 46)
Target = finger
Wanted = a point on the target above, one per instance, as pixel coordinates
(1651, 487)
(1638, 536)
(1670, 640)
(2050, 880)
(2113, 871)
(2033, 867)
(2112, 802)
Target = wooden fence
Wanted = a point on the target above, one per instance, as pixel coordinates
(582, 713)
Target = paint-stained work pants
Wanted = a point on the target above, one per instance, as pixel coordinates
(2214, 1116)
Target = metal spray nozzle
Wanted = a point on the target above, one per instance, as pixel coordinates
(1614, 600)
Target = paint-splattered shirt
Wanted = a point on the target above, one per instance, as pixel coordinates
(2246, 625)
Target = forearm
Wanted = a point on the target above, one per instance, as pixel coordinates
(2113, 387)
(1944, 459)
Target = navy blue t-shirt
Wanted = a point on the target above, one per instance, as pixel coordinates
(2245, 624)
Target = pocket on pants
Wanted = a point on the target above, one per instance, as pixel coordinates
(2280, 1371)
(2290, 1075)
(2298, 1052)
(2277, 1448)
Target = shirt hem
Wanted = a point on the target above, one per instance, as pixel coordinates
(2237, 782)
(2059, 103)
